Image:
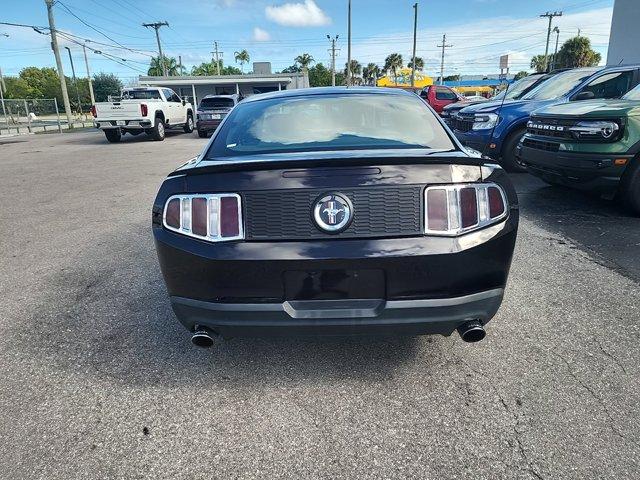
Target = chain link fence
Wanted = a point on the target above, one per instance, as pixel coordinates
(29, 115)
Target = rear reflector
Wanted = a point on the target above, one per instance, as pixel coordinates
(229, 218)
(214, 217)
(437, 213)
(144, 109)
(172, 213)
(452, 210)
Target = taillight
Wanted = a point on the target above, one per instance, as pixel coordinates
(210, 217)
(93, 111)
(452, 210)
(143, 109)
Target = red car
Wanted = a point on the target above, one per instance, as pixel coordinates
(439, 96)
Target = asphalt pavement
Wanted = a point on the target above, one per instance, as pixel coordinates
(98, 380)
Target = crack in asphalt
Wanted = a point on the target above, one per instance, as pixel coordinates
(608, 354)
(517, 433)
(596, 397)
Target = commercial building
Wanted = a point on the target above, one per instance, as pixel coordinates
(193, 88)
(625, 35)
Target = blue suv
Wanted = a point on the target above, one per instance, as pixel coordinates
(496, 131)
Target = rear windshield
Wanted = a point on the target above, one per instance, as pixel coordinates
(559, 84)
(141, 95)
(216, 103)
(329, 122)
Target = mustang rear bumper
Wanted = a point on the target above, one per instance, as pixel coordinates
(414, 285)
(355, 316)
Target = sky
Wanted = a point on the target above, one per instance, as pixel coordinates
(277, 31)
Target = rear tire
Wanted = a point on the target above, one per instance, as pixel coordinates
(202, 133)
(113, 135)
(509, 160)
(188, 127)
(630, 187)
(157, 132)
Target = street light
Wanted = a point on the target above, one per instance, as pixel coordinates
(553, 63)
(75, 82)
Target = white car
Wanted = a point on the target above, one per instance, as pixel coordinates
(147, 109)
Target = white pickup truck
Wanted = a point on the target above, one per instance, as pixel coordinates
(146, 109)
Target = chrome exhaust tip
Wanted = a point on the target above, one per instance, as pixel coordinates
(472, 331)
(203, 337)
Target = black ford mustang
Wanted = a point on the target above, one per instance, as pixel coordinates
(331, 211)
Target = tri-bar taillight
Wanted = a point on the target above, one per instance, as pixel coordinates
(211, 217)
(452, 210)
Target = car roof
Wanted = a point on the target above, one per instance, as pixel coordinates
(232, 95)
(308, 92)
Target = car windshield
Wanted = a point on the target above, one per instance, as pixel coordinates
(216, 103)
(633, 94)
(560, 84)
(516, 89)
(141, 95)
(329, 122)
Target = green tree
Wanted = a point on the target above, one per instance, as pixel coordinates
(304, 60)
(577, 52)
(205, 68)
(538, 63)
(356, 67)
(419, 63)
(230, 70)
(41, 82)
(105, 84)
(452, 78)
(156, 66)
(393, 62)
(241, 57)
(319, 76)
(520, 75)
(291, 69)
(370, 73)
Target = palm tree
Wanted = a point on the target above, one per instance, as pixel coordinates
(371, 73)
(393, 62)
(241, 57)
(356, 67)
(304, 60)
(419, 63)
(539, 63)
(156, 70)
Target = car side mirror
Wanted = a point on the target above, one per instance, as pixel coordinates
(587, 95)
(184, 102)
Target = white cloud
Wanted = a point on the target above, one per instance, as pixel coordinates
(306, 14)
(260, 35)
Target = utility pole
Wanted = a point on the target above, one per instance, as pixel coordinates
(156, 26)
(180, 65)
(86, 63)
(333, 58)
(2, 87)
(550, 16)
(56, 52)
(349, 45)
(443, 46)
(217, 58)
(75, 81)
(555, 53)
(413, 58)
